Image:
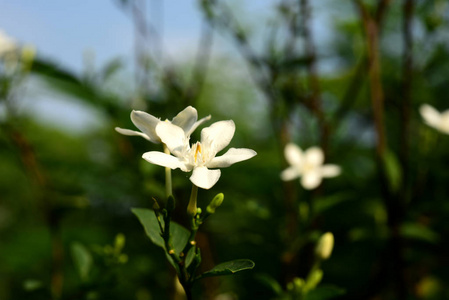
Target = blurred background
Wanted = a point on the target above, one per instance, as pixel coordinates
(347, 76)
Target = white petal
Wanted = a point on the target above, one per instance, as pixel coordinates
(289, 174)
(314, 156)
(132, 133)
(330, 170)
(293, 154)
(218, 135)
(198, 123)
(231, 156)
(172, 136)
(444, 122)
(311, 179)
(186, 118)
(146, 123)
(430, 115)
(164, 160)
(204, 178)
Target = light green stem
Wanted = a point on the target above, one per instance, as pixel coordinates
(168, 186)
(191, 208)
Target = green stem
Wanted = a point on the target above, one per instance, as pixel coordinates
(192, 208)
(168, 185)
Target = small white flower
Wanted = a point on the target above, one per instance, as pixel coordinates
(308, 165)
(186, 119)
(434, 118)
(7, 44)
(201, 157)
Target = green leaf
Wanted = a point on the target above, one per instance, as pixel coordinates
(148, 219)
(270, 282)
(228, 268)
(179, 235)
(322, 204)
(324, 293)
(393, 170)
(82, 259)
(30, 285)
(419, 232)
(190, 256)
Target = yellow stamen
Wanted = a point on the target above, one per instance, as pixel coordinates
(198, 149)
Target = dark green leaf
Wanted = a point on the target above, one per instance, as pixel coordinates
(324, 293)
(419, 232)
(393, 170)
(270, 282)
(82, 259)
(148, 219)
(228, 268)
(179, 235)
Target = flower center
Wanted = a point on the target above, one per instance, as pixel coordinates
(198, 151)
(198, 155)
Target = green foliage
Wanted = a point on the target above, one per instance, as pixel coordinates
(228, 268)
(148, 219)
(82, 259)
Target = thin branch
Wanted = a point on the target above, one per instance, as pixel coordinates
(371, 28)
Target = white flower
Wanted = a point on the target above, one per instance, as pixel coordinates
(434, 118)
(186, 119)
(7, 44)
(308, 165)
(201, 157)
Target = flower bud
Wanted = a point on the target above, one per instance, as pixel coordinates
(171, 203)
(324, 246)
(216, 202)
(119, 241)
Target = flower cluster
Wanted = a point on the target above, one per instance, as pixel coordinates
(200, 157)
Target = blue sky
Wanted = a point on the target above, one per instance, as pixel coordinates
(64, 30)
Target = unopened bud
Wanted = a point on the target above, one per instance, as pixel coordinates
(120, 241)
(156, 205)
(28, 55)
(324, 246)
(216, 202)
(171, 203)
